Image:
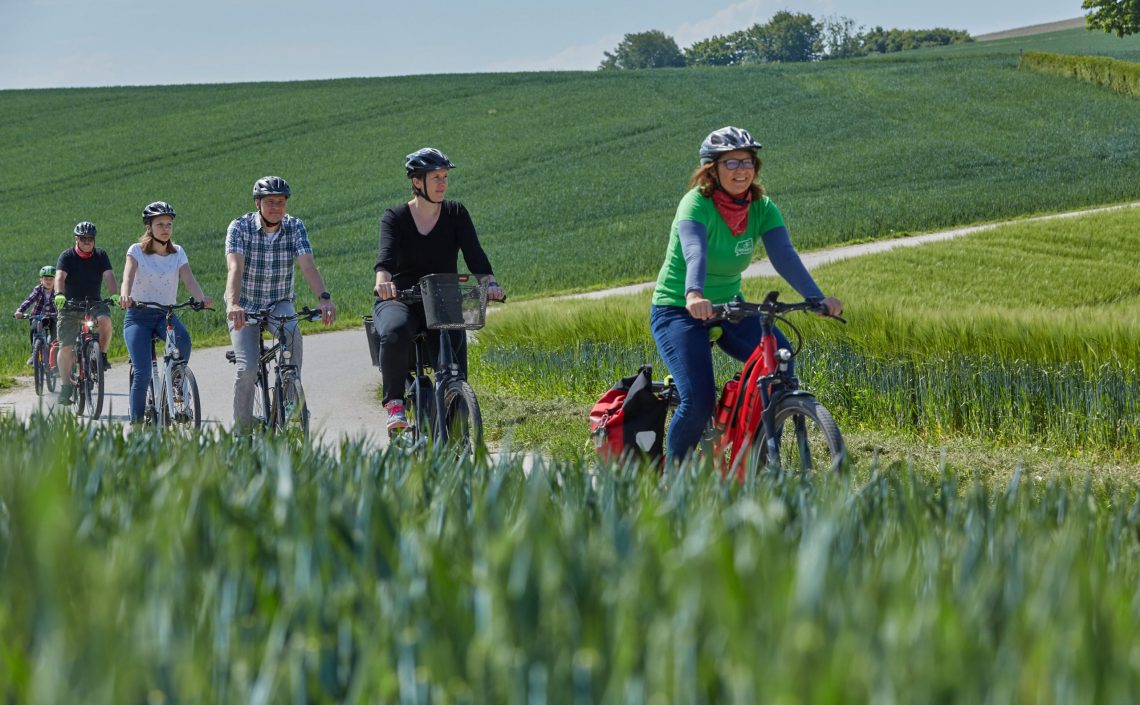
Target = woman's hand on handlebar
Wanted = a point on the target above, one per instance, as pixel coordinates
(125, 301)
(385, 290)
(496, 293)
(698, 306)
(831, 307)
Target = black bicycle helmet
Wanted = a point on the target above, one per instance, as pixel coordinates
(85, 229)
(157, 208)
(724, 140)
(271, 186)
(424, 160)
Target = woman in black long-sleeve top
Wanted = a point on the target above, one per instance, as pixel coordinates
(420, 237)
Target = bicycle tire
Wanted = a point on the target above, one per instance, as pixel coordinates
(184, 404)
(290, 412)
(51, 373)
(461, 421)
(39, 366)
(817, 445)
(262, 405)
(93, 381)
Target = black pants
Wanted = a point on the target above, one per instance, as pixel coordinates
(396, 326)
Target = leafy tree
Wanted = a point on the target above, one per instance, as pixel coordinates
(644, 50)
(718, 50)
(1120, 16)
(885, 41)
(790, 37)
(840, 39)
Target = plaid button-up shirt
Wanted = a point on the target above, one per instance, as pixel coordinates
(40, 301)
(267, 276)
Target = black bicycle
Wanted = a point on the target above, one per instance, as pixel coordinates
(43, 370)
(446, 411)
(87, 372)
(278, 405)
(172, 397)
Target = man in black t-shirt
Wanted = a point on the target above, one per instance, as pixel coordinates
(78, 275)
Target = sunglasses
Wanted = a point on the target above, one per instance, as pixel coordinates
(82, 238)
(734, 164)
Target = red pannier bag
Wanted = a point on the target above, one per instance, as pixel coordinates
(629, 419)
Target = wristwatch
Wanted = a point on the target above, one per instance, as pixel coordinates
(325, 296)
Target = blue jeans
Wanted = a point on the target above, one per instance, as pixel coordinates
(139, 327)
(683, 343)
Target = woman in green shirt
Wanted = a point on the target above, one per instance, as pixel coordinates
(719, 224)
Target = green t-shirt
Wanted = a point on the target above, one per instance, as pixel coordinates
(728, 254)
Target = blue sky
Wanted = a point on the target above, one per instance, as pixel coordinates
(57, 43)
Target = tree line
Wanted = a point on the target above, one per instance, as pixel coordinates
(797, 36)
(787, 37)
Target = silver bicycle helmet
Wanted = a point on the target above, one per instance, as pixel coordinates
(724, 140)
(85, 229)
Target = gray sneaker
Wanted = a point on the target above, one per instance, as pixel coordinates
(65, 394)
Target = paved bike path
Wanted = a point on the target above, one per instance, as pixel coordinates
(341, 384)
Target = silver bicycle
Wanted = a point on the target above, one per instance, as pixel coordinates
(172, 398)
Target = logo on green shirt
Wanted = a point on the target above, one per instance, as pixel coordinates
(744, 247)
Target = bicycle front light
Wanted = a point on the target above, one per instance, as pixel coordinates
(783, 357)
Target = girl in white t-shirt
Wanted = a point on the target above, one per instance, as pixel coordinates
(152, 271)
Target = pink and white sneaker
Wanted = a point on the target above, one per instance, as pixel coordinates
(396, 418)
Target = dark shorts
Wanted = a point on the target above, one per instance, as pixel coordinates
(70, 320)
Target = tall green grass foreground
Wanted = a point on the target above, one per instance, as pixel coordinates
(200, 570)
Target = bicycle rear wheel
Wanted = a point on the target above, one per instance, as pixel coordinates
(184, 405)
(806, 437)
(93, 382)
(39, 366)
(290, 411)
(51, 373)
(460, 418)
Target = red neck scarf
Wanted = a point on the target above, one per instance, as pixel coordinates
(89, 255)
(733, 210)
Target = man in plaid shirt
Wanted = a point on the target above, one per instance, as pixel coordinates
(261, 247)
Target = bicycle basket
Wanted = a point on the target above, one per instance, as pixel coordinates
(454, 301)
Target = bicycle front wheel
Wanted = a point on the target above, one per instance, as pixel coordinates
(184, 407)
(290, 411)
(805, 438)
(460, 418)
(93, 382)
(262, 408)
(39, 366)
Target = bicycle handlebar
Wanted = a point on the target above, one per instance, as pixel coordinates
(167, 308)
(265, 316)
(88, 303)
(737, 310)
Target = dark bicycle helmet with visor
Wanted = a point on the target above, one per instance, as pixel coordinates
(271, 186)
(424, 160)
(156, 209)
(725, 140)
(85, 229)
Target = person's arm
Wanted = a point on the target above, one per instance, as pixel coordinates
(695, 249)
(27, 302)
(787, 263)
(191, 284)
(385, 288)
(60, 279)
(129, 269)
(235, 263)
(474, 256)
(317, 283)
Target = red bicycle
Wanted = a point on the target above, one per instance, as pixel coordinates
(763, 417)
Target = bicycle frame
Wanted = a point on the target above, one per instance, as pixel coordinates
(284, 370)
(87, 334)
